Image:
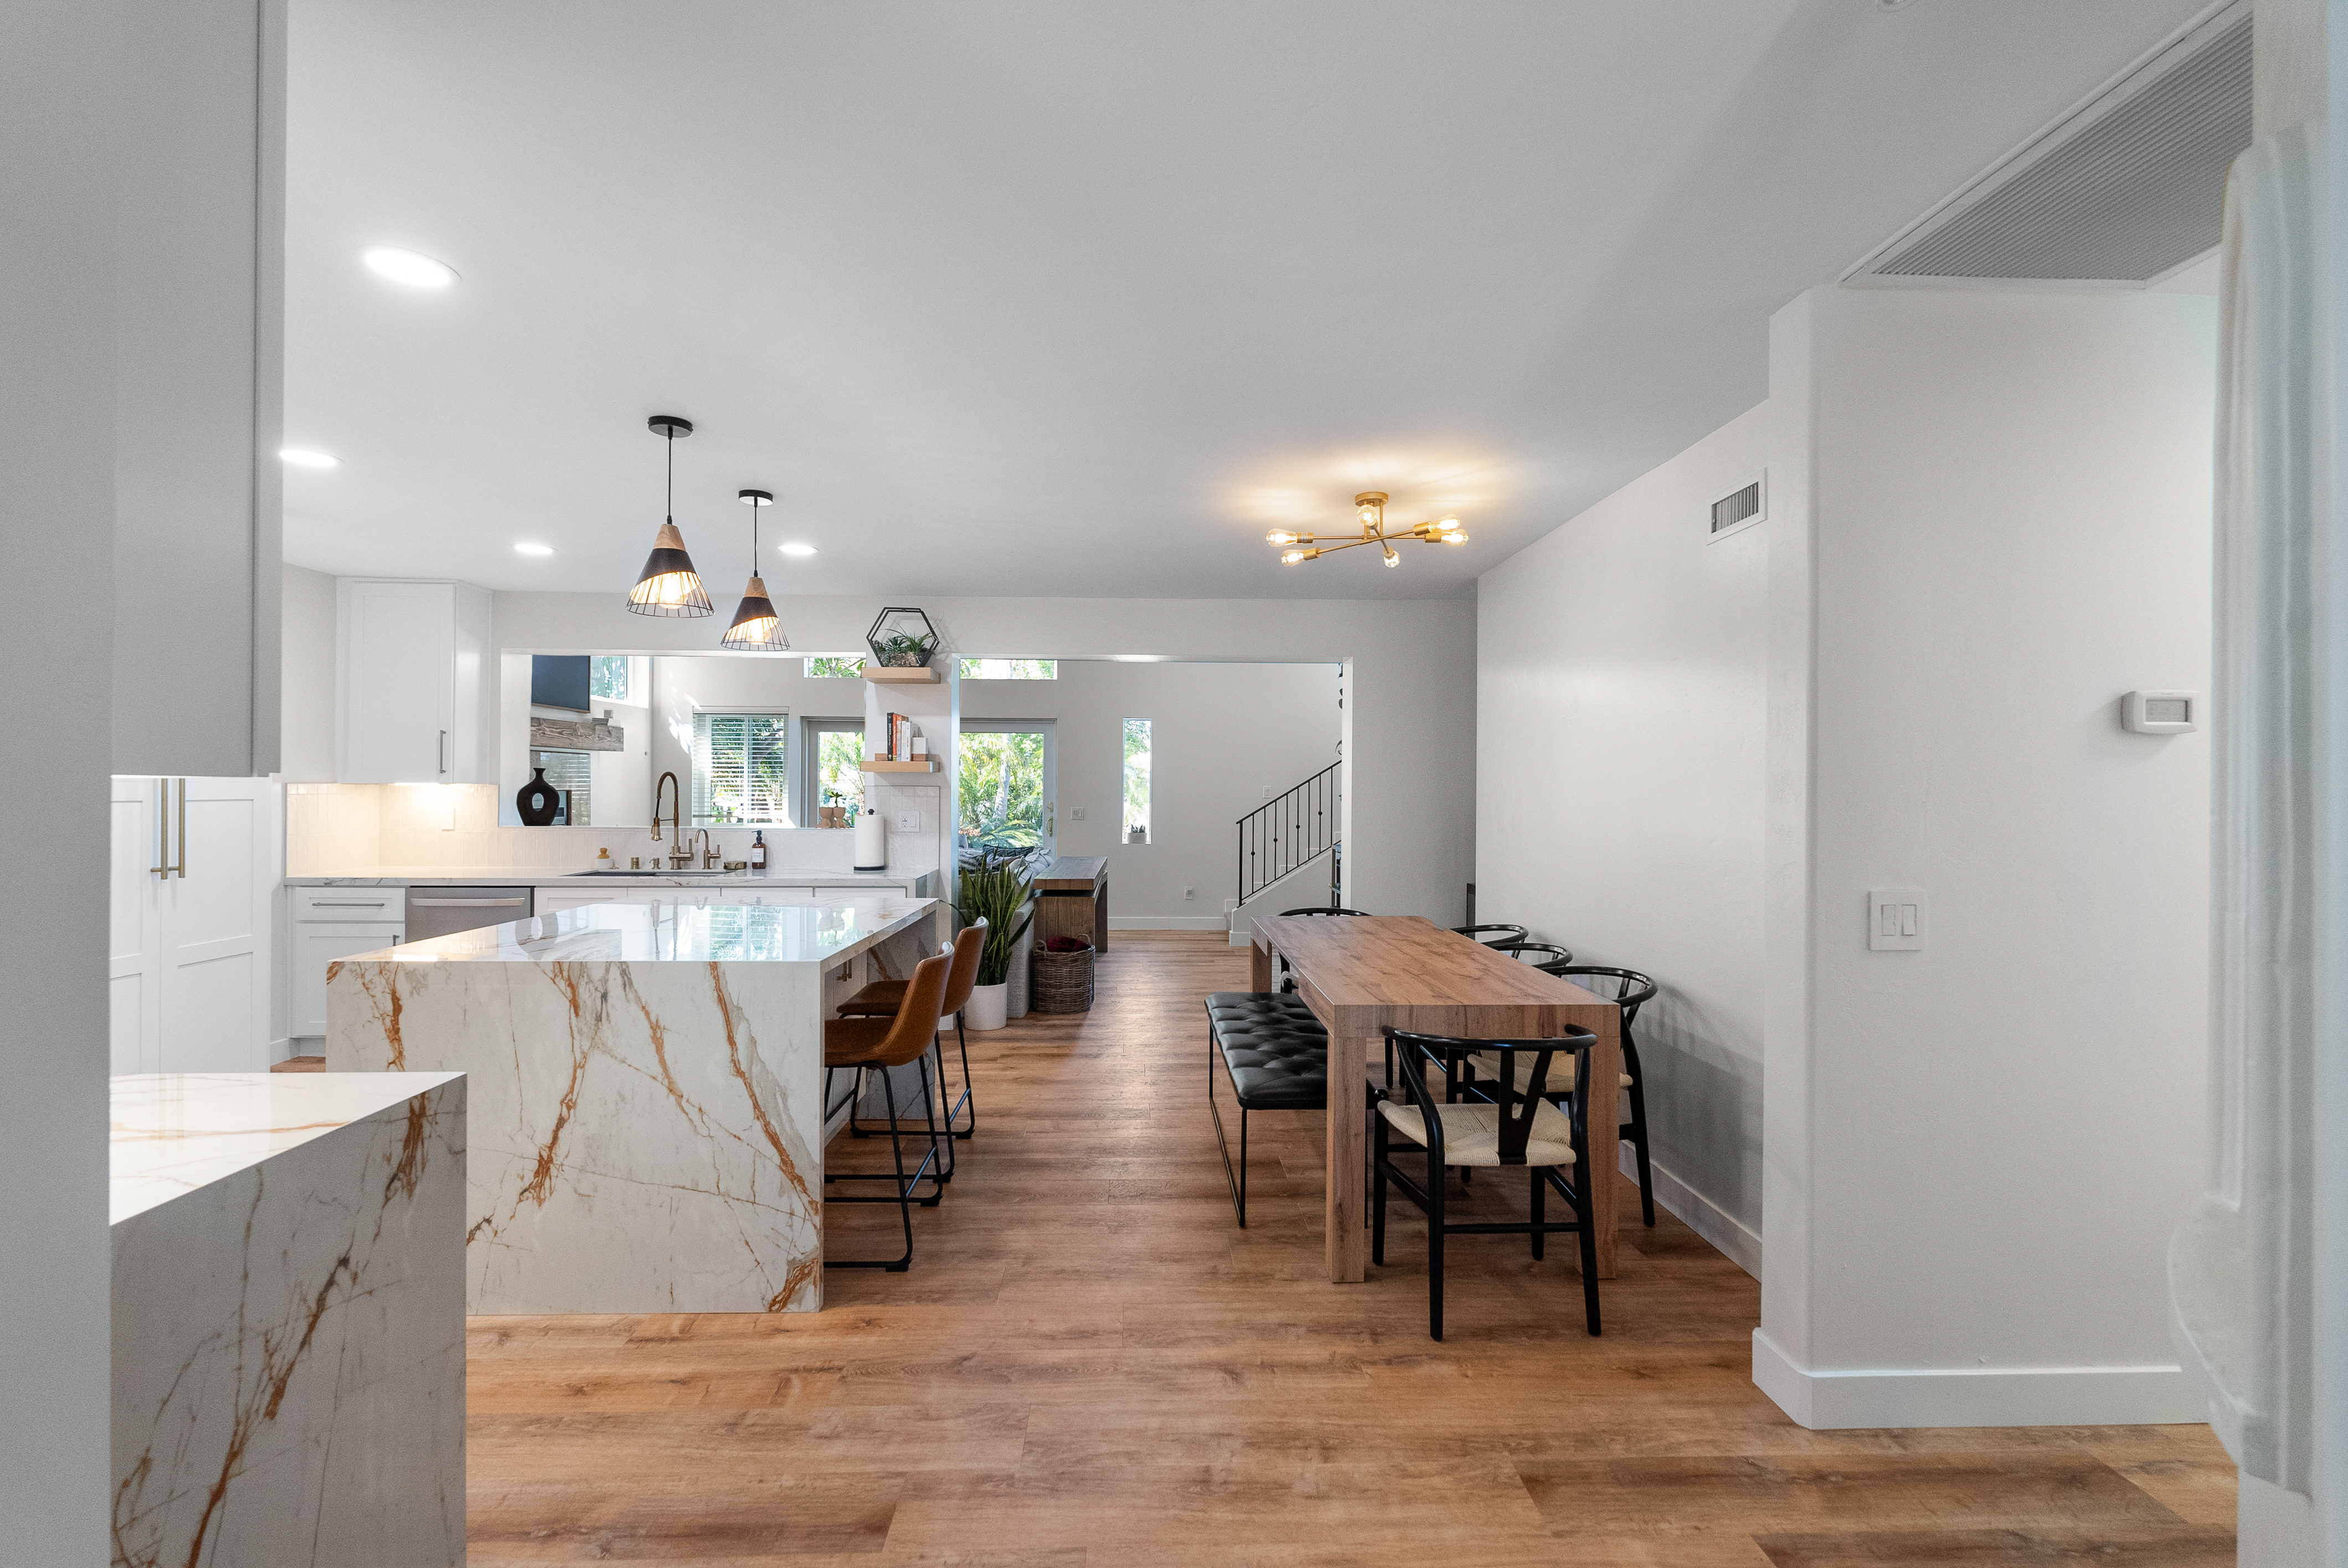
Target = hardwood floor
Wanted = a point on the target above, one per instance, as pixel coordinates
(1091, 1364)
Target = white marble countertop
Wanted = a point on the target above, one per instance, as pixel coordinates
(675, 931)
(176, 1131)
(543, 876)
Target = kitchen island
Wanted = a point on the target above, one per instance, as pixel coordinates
(289, 1319)
(646, 1102)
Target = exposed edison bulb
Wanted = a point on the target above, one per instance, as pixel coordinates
(1391, 558)
(1454, 539)
(1280, 536)
(1369, 515)
(1291, 558)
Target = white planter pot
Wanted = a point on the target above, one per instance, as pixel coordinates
(987, 1005)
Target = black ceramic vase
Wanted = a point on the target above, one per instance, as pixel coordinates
(537, 802)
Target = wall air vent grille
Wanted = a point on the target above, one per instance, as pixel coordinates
(2126, 187)
(1730, 510)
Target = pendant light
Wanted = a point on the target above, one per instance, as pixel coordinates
(757, 628)
(669, 586)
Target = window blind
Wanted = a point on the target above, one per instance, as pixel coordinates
(740, 768)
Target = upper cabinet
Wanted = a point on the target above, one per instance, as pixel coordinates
(412, 696)
(199, 342)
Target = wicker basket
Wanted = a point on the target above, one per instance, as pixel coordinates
(1064, 981)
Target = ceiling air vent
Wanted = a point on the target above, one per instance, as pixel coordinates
(1739, 509)
(2125, 188)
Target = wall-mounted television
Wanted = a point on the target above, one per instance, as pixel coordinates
(559, 680)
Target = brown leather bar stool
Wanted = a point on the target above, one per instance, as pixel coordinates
(885, 997)
(865, 1043)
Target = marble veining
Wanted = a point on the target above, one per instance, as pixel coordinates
(646, 1090)
(288, 1306)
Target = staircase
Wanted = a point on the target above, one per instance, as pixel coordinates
(1284, 835)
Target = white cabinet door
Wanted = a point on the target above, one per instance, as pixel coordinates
(133, 970)
(214, 915)
(550, 902)
(394, 707)
(317, 945)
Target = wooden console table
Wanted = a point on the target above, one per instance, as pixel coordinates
(1058, 888)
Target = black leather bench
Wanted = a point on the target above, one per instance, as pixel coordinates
(1277, 1056)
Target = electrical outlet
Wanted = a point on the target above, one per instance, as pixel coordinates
(1190, 892)
(449, 817)
(909, 822)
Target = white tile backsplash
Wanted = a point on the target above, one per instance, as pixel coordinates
(333, 828)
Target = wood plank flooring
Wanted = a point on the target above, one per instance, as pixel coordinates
(1091, 1366)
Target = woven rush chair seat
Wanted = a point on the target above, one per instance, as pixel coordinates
(1276, 1052)
(1471, 1129)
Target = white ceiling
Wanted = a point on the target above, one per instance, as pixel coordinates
(1074, 298)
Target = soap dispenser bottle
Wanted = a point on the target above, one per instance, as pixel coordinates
(758, 850)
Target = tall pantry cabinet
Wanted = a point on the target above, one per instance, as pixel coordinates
(195, 864)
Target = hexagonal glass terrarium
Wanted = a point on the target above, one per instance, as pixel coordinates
(902, 639)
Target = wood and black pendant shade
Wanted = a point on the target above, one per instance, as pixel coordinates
(757, 628)
(668, 585)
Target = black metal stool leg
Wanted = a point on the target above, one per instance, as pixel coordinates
(969, 1096)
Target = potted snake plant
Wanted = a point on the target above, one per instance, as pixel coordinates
(996, 891)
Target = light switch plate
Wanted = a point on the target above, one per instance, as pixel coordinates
(909, 822)
(1076, 813)
(1895, 919)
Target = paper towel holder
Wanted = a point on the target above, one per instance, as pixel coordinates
(872, 842)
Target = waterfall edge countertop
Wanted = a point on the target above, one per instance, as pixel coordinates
(288, 1317)
(647, 1089)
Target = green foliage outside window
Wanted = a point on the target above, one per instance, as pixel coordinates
(834, 667)
(840, 766)
(1001, 789)
(607, 677)
(1010, 669)
(1137, 781)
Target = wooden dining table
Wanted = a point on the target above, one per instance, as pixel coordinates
(1360, 972)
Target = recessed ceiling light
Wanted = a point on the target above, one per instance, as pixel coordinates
(533, 549)
(407, 267)
(301, 458)
(796, 549)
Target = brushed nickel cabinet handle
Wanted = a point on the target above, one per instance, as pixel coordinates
(162, 829)
(183, 866)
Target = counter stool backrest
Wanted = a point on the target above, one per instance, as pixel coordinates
(916, 1023)
(969, 945)
(1507, 934)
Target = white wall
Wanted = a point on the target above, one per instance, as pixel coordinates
(306, 642)
(1409, 723)
(1621, 717)
(1219, 736)
(1991, 519)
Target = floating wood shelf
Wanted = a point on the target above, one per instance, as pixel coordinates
(902, 675)
(881, 765)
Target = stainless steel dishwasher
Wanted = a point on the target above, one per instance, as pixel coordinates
(442, 911)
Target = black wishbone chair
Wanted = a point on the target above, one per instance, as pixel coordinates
(1628, 990)
(1508, 1129)
(865, 1043)
(1507, 934)
(1287, 981)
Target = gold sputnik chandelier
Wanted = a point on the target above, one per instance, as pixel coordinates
(1370, 506)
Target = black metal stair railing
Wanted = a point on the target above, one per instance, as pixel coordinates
(1285, 832)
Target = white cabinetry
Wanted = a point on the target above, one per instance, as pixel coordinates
(412, 665)
(194, 873)
(317, 944)
(550, 902)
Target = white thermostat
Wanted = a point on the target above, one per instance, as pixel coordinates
(2161, 713)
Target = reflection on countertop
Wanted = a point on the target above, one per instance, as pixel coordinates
(664, 930)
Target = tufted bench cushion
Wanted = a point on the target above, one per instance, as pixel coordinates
(1275, 1050)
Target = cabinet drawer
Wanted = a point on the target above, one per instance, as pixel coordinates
(374, 905)
(552, 902)
(317, 945)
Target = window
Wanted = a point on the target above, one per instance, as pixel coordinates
(607, 677)
(834, 667)
(1137, 781)
(740, 768)
(1004, 793)
(1011, 670)
(834, 750)
(571, 774)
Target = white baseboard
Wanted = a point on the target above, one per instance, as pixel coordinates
(1167, 922)
(1723, 1230)
(1981, 1396)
